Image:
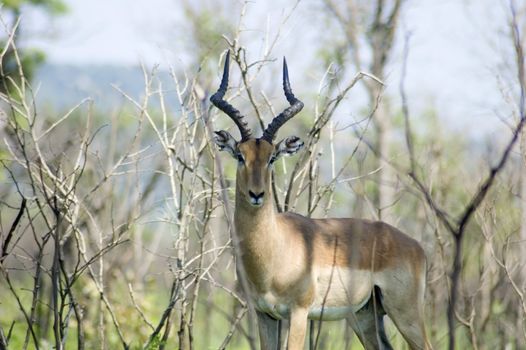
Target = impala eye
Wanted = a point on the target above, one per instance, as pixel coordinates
(271, 160)
(240, 158)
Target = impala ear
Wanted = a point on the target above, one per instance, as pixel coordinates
(226, 142)
(288, 146)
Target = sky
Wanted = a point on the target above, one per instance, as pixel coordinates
(121, 32)
(457, 47)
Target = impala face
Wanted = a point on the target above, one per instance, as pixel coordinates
(255, 158)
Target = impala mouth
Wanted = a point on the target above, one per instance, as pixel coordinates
(256, 202)
(256, 199)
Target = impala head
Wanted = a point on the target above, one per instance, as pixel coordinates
(255, 156)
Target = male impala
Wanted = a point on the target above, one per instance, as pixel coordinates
(302, 268)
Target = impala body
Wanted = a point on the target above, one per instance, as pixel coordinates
(301, 268)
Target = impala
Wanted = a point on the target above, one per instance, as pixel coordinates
(301, 268)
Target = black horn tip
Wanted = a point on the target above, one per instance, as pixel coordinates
(224, 80)
(227, 58)
(285, 69)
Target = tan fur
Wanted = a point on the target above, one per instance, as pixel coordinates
(296, 263)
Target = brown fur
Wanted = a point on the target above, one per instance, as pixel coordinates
(354, 240)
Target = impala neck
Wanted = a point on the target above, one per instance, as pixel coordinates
(252, 220)
(258, 238)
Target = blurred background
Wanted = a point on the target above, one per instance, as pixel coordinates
(116, 208)
(457, 47)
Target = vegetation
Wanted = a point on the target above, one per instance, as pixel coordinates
(29, 59)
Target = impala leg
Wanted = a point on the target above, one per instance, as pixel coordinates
(268, 331)
(406, 310)
(298, 328)
(368, 324)
(410, 322)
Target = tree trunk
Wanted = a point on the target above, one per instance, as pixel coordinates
(381, 37)
(523, 200)
(386, 176)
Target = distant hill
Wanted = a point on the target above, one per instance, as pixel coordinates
(63, 86)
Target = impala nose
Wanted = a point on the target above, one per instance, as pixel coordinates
(256, 198)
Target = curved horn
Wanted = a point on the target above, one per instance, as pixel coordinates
(295, 107)
(217, 100)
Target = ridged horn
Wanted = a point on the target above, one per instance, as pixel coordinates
(295, 107)
(227, 108)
